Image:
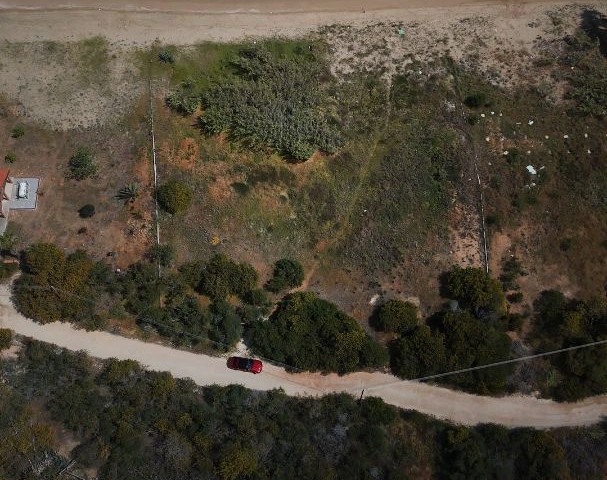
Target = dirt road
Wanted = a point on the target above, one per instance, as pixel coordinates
(204, 370)
(189, 21)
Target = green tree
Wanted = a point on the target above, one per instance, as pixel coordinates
(175, 196)
(287, 274)
(474, 289)
(82, 164)
(312, 334)
(395, 316)
(240, 462)
(471, 342)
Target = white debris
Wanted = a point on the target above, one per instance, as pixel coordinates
(492, 113)
(588, 151)
(531, 169)
(528, 152)
(505, 152)
(500, 114)
(483, 115)
(530, 122)
(518, 123)
(546, 137)
(532, 184)
(419, 72)
(374, 299)
(565, 136)
(487, 139)
(489, 163)
(585, 135)
(542, 167)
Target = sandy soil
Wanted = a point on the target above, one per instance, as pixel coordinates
(204, 370)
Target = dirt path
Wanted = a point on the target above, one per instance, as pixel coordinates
(204, 370)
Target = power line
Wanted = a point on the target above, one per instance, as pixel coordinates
(506, 362)
(494, 364)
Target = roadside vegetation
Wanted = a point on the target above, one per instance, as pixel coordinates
(126, 422)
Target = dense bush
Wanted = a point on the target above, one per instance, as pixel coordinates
(53, 286)
(474, 289)
(6, 337)
(287, 274)
(394, 316)
(308, 333)
(7, 270)
(17, 131)
(175, 196)
(560, 323)
(267, 101)
(221, 277)
(132, 423)
(82, 165)
(418, 353)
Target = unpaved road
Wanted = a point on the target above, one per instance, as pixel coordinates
(204, 370)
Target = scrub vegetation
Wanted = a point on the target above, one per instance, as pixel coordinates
(126, 422)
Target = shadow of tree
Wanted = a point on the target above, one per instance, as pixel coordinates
(594, 25)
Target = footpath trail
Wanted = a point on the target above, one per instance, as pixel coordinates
(458, 407)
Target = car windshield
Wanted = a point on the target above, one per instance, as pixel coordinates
(245, 363)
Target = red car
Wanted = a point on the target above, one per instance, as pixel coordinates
(245, 364)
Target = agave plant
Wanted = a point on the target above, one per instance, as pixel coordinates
(128, 193)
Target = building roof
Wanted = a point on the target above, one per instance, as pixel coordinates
(3, 176)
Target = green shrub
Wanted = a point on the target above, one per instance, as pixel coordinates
(267, 101)
(221, 277)
(6, 337)
(287, 274)
(308, 333)
(10, 157)
(86, 211)
(17, 131)
(7, 270)
(394, 316)
(473, 289)
(175, 197)
(166, 56)
(81, 165)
